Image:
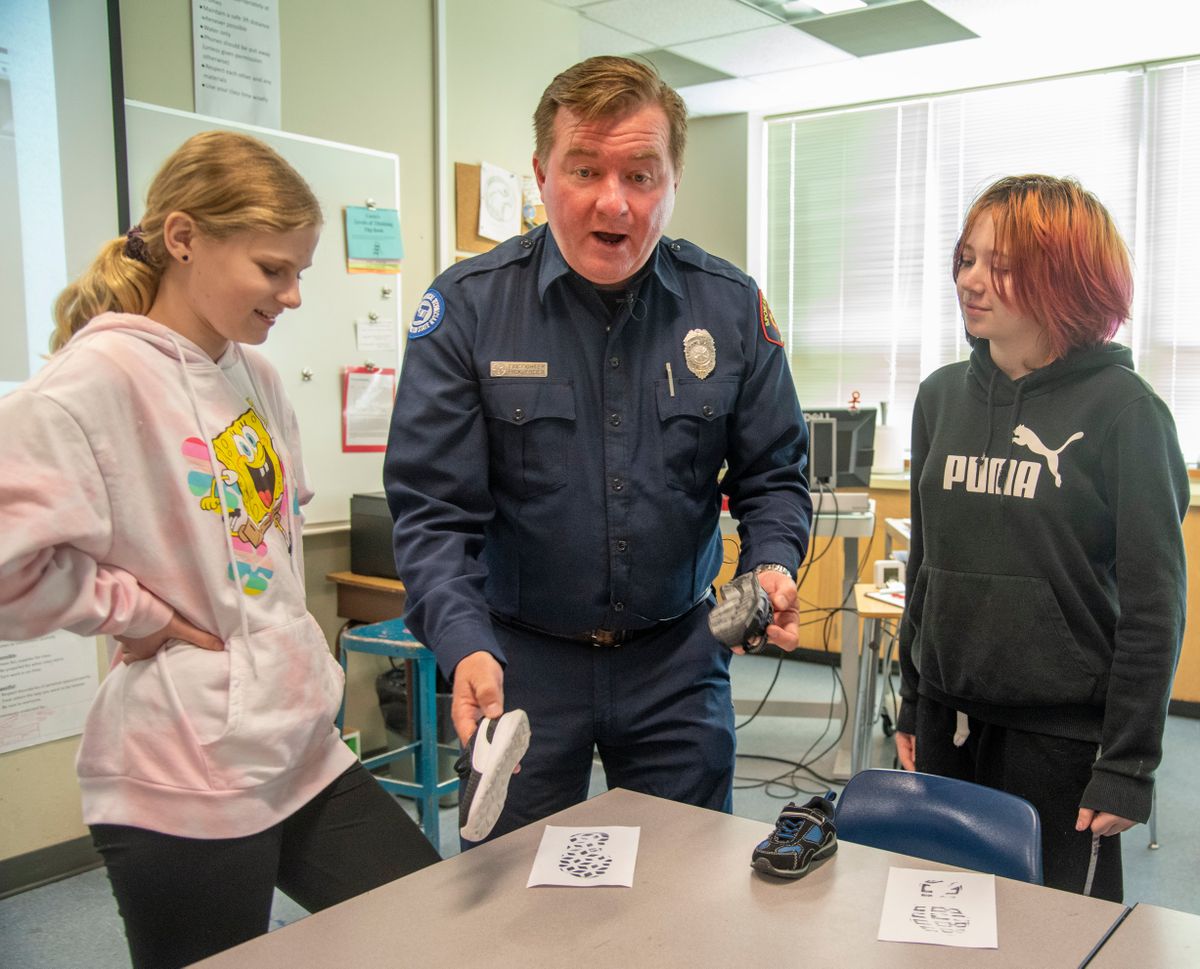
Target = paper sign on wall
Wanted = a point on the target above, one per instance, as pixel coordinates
(235, 60)
(46, 688)
(367, 394)
(499, 203)
(373, 243)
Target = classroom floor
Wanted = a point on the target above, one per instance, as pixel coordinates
(73, 923)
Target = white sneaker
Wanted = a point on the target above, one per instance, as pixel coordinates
(485, 768)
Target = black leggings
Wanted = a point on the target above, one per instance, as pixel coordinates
(1049, 772)
(183, 899)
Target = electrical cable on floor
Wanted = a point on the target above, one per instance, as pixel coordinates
(826, 616)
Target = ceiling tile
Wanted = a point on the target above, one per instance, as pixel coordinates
(668, 22)
(882, 29)
(596, 39)
(760, 51)
(679, 71)
(721, 97)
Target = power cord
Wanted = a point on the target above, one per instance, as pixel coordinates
(787, 779)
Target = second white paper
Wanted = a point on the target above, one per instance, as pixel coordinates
(939, 908)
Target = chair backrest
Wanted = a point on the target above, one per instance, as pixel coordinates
(942, 819)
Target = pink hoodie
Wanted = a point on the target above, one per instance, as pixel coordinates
(109, 503)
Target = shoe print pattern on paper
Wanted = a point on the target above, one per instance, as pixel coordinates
(585, 856)
(255, 491)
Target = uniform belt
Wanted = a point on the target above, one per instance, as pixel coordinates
(610, 637)
(596, 637)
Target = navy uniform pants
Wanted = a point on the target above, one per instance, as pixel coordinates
(1049, 772)
(658, 709)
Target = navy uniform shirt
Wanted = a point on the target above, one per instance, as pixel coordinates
(543, 466)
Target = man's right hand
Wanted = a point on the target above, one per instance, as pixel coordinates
(906, 750)
(478, 692)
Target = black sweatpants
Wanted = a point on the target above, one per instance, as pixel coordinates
(1049, 772)
(183, 899)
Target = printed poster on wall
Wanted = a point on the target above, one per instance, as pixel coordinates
(235, 60)
(46, 687)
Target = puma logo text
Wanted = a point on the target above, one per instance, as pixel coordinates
(983, 475)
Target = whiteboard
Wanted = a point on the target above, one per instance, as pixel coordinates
(320, 335)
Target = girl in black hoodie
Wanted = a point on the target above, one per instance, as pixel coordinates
(1046, 577)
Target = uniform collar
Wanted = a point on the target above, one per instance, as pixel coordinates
(554, 266)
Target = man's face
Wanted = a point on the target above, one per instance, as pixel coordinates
(609, 189)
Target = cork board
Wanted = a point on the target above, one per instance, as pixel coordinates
(466, 211)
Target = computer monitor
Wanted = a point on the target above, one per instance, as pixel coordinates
(841, 446)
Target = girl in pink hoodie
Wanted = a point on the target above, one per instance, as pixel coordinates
(151, 490)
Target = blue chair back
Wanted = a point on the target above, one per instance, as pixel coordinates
(942, 819)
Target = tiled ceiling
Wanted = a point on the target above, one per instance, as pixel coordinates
(773, 55)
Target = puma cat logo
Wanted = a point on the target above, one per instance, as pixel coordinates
(1026, 438)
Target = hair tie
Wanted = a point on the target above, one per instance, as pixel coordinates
(135, 245)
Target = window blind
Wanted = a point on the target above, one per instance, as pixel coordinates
(864, 206)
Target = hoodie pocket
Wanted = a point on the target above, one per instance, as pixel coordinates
(281, 705)
(998, 639)
(204, 720)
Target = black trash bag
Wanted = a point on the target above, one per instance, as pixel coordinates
(391, 686)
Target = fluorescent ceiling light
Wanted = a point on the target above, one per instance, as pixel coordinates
(825, 6)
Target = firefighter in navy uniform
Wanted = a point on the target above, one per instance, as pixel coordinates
(565, 408)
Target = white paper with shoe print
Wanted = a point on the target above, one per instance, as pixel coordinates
(939, 908)
(585, 857)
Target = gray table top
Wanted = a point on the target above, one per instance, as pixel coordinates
(1152, 937)
(695, 902)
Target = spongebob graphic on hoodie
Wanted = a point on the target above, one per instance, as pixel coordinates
(255, 492)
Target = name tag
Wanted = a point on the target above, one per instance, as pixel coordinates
(519, 368)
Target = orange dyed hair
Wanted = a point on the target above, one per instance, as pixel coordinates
(1068, 266)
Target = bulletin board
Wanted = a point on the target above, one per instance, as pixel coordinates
(319, 337)
(466, 211)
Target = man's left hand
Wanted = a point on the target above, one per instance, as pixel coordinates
(784, 632)
(1101, 822)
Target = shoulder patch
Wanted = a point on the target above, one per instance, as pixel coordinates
(429, 314)
(770, 328)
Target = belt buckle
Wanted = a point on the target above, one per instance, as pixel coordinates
(606, 637)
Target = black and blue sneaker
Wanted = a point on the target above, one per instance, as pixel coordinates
(802, 837)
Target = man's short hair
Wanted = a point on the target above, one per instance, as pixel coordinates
(606, 87)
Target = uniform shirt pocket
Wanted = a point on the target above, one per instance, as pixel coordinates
(693, 417)
(530, 426)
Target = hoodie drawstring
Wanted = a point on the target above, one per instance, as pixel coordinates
(289, 484)
(982, 461)
(1002, 478)
(225, 518)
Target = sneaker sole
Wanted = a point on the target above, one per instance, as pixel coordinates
(511, 740)
(765, 866)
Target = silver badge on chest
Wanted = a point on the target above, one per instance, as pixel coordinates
(699, 352)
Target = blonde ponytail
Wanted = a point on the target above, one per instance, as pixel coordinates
(113, 282)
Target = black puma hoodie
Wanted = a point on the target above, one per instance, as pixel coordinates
(1046, 577)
